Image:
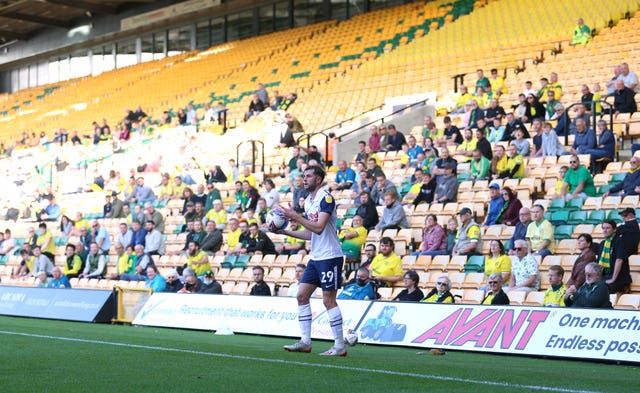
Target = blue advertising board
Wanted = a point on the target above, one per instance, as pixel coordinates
(67, 304)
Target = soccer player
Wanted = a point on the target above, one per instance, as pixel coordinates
(325, 267)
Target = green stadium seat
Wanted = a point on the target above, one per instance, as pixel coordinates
(241, 261)
(559, 217)
(615, 216)
(577, 217)
(474, 263)
(595, 217)
(563, 232)
(557, 204)
(229, 261)
(574, 204)
(351, 212)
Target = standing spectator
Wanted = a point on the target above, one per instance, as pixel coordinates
(263, 95)
(393, 215)
(468, 241)
(593, 294)
(441, 293)
(524, 270)
(620, 242)
(260, 288)
(540, 233)
(434, 238)
(578, 182)
(496, 295)
(46, 242)
(374, 139)
(411, 292)
(586, 255)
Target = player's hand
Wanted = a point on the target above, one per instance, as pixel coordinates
(289, 212)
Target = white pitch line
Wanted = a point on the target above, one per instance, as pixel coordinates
(306, 364)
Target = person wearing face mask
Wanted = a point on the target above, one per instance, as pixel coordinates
(362, 289)
(210, 285)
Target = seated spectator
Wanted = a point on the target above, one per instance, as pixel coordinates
(393, 215)
(345, 177)
(521, 144)
(562, 118)
(580, 114)
(463, 99)
(536, 131)
(271, 195)
(437, 167)
(367, 210)
(581, 33)
(26, 263)
(482, 143)
(510, 128)
(554, 295)
(499, 162)
(468, 145)
(125, 262)
(585, 138)
(446, 186)
(217, 215)
(540, 233)
(386, 267)
(629, 184)
(451, 133)
(154, 280)
(381, 187)
(411, 293)
(434, 238)
(8, 243)
(153, 240)
(587, 255)
(623, 99)
(509, 214)
(535, 110)
(255, 107)
(210, 285)
(426, 190)
(173, 283)
(520, 231)
(551, 145)
(593, 293)
(496, 295)
(496, 204)
(197, 259)
(294, 286)
(352, 239)
(493, 111)
(562, 172)
(497, 262)
(395, 139)
(259, 242)
(514, 166)
(42, 281)
(260, 288)
(192, 283)
(452, 234)
(441, 293)
(58, 280)
(361, 289)
(95, 265)
(619, 243)
(480, 166)
(468, 241)
(142, 262)
(606, 145)
(212, 240)
(578, 181)
(46, 242)
(524, 269)
(50, 213)
(496, 131)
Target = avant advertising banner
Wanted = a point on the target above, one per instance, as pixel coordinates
(69, 304)
(563, 332)
(242, 314)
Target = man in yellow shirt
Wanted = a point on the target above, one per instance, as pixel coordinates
(554, 296)
(197, 259)
(462, 100)
(246, 175)
(166, 191)
(515, 165)
(386, 267)
(468, 145)
(46, 242)
(177, 188)
(217, 214)
(497, 83)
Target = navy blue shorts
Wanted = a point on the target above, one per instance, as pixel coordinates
(326, 274)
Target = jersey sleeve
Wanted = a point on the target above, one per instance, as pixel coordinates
(327, 204)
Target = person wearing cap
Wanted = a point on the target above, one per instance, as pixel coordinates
(42, 281)
(192, 284)
(446, 186)
(550, 113)
(395, 139)
(469, 241)
(578, 182)
(116, 207)
(210, 285)
(540, 233)
(496, 203)
(154, 280)
(480, 166)
(630, 185)
(619, 243)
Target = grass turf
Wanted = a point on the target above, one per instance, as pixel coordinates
(203, 362)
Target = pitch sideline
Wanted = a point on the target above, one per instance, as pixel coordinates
(305, 364)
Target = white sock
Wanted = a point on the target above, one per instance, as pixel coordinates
(304, 318)
(335, 320)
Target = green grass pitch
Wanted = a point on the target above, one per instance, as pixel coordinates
(55, 356)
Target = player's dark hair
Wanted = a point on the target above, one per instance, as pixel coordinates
(317, 171)
(387, 240)
(413, 276)
(259, 268)
(610, 222)
(301, 265)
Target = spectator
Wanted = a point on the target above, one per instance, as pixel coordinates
(46, 242)
(211, 242)
(496, 205)
(95, 265)
(463, 99)
(629, 78)
(374, 139)
(58, 280)
(8, 243)
(482, 80)
(50, 213)
(540, 233)
(494, 111)
(192, 284)
(381, 188)
(395, 140)
(496, 295)
(511, 126)
(585, 138)
(361, 289)
(630, 183)
(580, 114)
(217, 215)
(554, 295)
(581, 33)
(446, 186)
(260, 288)
(41, 263)
(411, 292)
(259, 242)
(468, 145)
(496, 131)
(480, 166)
(593, 293)
(256, 106)
(393, 215)
(26, 263)
(509, 215)
(521, 144)
(468, 241)
(153, 240)
(66, 225)
(586, 256)
(441, 293)
(125, 262)
(437, 167)
(605, 148)
(101, 237)
(514, 166)
(623, 98)
(434, 238)
(345, 177)
(451, 132)
(578, 182)
(499, 162)
(386, 267)
(292, 245)
(142, 193)
(293, 287)
(498, 261)
(73, 263)
(370, 254)
(249, 196)
(535, 110)
(116, 207)
(352, 239)
(426, 190)
(154, 280)
(536, 130)
(619, 243)
(551, 145)
(41, 279)
(482, 143)
(238, 236)
(197, 259)
(210, 285)
(524, 269)
(173, 283)
(271, 195)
